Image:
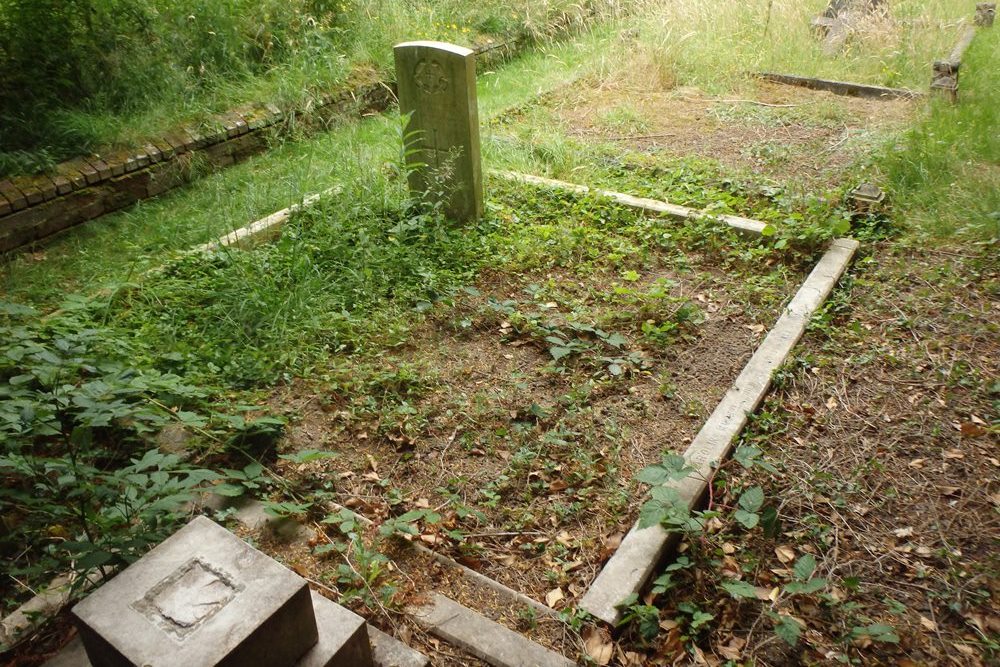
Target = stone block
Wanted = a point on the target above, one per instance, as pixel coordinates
(102, 168)
(986, 13)
(343, 637)
(486, 639)
(166, 150)
(38, 222)
(130, 188)
(5, 206)
(177, 141)
(117, 163)
(71, 171)
(437, 91)
(153, 152)
(31, 191)
(63, 185)
(388, 651)
(201, 598)
(256, 119)
(14, 197)
(90, 175)
(46, 186)
(165, 176)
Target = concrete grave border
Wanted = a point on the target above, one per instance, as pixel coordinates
(944, 73)
(847, 88)
(642, 550)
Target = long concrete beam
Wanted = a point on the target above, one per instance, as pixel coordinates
(641, 203)
(848, 88)
(643, 549)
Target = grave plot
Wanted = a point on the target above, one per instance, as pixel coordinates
(882, 43)
(804, 140)
(521, 414)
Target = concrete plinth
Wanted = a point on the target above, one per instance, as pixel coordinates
(202, 597)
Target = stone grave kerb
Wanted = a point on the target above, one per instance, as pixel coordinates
(436, 84)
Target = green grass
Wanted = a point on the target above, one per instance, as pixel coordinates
(105, 73)
(123, 245)
(712, 45)
(944, 174)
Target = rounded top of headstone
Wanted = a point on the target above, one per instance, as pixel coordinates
(439, 46)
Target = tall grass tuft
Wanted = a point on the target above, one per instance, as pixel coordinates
(76, 75)
(945, 172)
(712, 45)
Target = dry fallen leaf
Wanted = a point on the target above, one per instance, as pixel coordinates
(597, 644)
(972, 430)
(785, 554)
(631, 659)
(553, 597)
(903, 532)
(611, 545)
(928, 624)
(964, 649)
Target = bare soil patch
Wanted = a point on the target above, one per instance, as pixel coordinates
(528, 460)
(801, 138)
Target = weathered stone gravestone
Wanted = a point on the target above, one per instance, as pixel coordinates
(437, 90)
(205, 598)
(835, 24)
(986, 13)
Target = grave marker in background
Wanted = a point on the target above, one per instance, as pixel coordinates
(986, 13)
(437, 88)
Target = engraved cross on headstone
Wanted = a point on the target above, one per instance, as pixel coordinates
(437, 90)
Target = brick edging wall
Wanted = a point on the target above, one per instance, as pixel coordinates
(33, 208)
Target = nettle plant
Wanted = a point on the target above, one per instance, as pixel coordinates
(571, 343)
(81, 485)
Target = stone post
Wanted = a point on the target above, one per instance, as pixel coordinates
(986, 13)
(437, 89)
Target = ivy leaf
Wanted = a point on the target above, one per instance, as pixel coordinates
(616, 340)
(324, 549)
(879, 632)
(558, 352)
(663, 583)
(748, 519)
(739, 589)
(307, 456)
(700, 618)
(804, 567)
(228, 490)
(671, 468)
(770, 521)
(788, 629)
(93, 559)
(284, 509)
(752, 499)
(807, 587)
